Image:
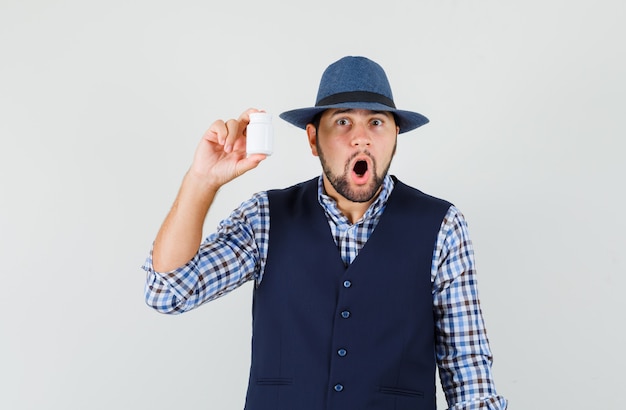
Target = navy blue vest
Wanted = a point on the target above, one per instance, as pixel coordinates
(327, 336)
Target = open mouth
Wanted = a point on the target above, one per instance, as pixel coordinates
(360, 168)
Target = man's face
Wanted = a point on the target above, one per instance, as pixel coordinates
(355, 149)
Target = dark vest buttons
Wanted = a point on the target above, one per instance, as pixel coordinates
(345, 314)
(287, 242)
(342, 352)
(347, 284)
(338, 387)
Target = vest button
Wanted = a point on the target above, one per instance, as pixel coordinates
(345, 314)
(347, 284)
(342, 352)
(338, 387)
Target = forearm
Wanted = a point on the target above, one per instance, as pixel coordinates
(197, 282)
(182, 273)
(219, 158)
(463, 354)
(226, 259)
(180, 234)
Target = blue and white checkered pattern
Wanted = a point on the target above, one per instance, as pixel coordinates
(350, 238)
(237, 251)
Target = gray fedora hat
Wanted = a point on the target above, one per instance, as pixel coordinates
(355, 82)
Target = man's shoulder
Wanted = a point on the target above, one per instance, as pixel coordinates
(412, 192)
(295, 188)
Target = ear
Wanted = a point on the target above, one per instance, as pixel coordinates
(312, 135)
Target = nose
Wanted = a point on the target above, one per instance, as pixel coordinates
(360, 135)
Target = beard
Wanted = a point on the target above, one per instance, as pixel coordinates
(341, 182)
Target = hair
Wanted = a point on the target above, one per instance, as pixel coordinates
(316, 120)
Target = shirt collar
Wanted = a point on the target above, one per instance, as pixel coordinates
(333, 212)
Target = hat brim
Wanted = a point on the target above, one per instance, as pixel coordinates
(407, 120)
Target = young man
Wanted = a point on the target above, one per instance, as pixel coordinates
(363, 285)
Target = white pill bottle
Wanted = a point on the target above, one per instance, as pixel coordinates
(260, 134)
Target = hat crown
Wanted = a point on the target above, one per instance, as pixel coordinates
(354, 74)
(354, 83)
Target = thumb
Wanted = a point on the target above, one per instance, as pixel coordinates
(249, 163)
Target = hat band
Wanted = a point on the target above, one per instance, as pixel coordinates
(356, 96)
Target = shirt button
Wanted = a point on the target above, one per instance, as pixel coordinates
(347, 284)
(345, 314)
(342, 352)
(338, 387)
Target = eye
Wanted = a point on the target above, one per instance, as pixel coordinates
(377, 122)
(343, 121)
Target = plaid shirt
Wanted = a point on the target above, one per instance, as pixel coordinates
(237, 251)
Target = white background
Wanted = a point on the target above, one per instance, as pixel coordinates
(103, 103)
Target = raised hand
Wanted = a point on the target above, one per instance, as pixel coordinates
(219, 158)
(221, 153)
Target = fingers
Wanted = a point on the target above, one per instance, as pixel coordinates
(229, 132)
(249, 163)
(224, 133)
(217, 132)
(234, 131)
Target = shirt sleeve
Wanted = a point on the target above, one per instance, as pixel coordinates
(463, 354)
(226, 259)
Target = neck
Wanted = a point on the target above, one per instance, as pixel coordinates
(354, 211)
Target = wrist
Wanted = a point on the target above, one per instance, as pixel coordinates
(200, 183)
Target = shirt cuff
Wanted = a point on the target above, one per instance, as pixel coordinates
(490, 403)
